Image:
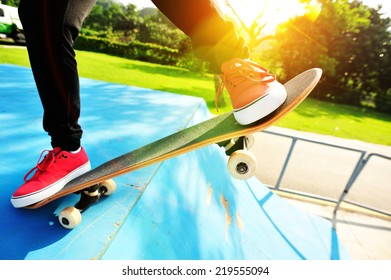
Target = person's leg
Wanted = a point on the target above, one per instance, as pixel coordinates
(50, 29)
(213, 38)
(254, 92)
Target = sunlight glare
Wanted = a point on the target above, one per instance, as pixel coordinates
(268, 12)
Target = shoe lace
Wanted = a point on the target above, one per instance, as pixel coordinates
(235, 75)
(47, 160)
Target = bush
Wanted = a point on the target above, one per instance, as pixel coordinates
(383, 102)
(135, 50)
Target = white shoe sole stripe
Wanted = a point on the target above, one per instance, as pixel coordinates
(35, 197)
(261, 107)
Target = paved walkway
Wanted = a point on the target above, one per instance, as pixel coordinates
(324, 171)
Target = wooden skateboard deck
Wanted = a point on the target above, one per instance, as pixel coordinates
(215, 130)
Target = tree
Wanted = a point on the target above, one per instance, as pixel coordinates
(349, 41)
(104, 15)
(157, 29)
(377, 66)
(128, 19)
(13, 3)
(125, 23)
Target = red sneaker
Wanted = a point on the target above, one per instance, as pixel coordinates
(57, 168)
(254, 92)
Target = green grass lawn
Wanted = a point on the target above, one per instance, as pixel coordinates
(341, 121)
(312, 115)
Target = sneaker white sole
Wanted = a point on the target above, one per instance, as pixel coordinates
(29, 199)
(261, 107)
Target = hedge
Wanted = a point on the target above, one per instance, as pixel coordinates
(135, 50)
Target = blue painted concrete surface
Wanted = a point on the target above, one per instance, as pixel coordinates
(187, 207)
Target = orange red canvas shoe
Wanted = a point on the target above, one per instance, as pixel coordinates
(57, 168)
(254, 92)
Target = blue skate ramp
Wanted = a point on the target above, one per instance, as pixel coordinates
(187, 207)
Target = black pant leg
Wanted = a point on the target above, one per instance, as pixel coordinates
(213, 38)
(50, 28)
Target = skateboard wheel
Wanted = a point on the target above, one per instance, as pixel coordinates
(108, 186)
(242, 165)
(70, 217)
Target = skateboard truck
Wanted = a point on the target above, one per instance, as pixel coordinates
(71, 216)
(242, 164)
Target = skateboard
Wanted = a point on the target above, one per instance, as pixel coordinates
(222, 130)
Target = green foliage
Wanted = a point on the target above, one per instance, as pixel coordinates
(125, 23)
(156, 28)
(134, 50)
(109, 16)
(145, 35)
(350, 42)
(13, 3)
